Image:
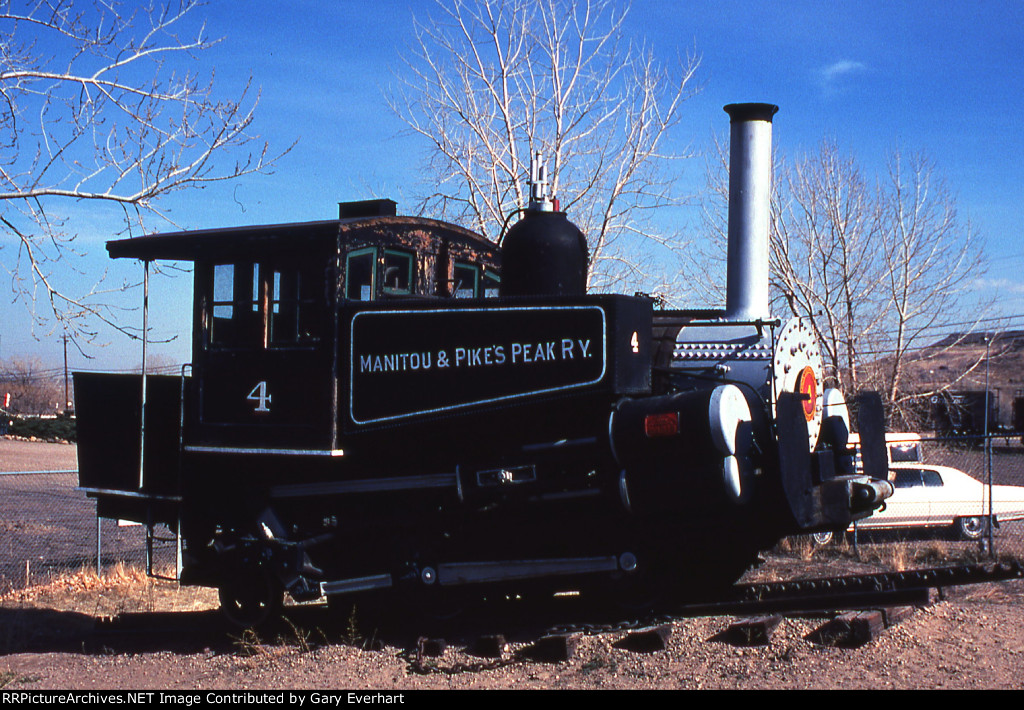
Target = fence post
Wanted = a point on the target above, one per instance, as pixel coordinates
(989, 532)
(99, 546)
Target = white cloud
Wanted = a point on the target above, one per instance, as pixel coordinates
(1004, 285)
(830, 76)
(833, 71)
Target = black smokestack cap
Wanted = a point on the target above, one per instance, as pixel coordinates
(750, 112)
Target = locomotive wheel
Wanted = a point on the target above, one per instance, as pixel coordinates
(251, 598)
(972, 528)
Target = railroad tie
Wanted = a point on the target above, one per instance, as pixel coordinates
(856, 628)
(646, 640)
(752, 631)
(490, 646)
(553, 649)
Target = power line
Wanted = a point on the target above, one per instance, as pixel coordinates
(55, 373)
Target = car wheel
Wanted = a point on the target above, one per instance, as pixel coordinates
(823, 538)
(971, 528)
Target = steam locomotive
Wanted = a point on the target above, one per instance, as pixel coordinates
(382, 402)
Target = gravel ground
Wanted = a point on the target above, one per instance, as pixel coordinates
(971, 641)
(21, 455)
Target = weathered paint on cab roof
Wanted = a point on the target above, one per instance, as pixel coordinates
(201, 243)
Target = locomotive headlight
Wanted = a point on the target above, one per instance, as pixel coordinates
(687, 450)
(731, 476)
(730, 422)
(729, 416)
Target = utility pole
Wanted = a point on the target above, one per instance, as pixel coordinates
(67, 401)
(989, 532)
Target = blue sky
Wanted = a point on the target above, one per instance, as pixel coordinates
(939, 77)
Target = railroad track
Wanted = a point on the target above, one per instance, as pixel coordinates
(875, 589)
(826, 596)
(887, 595)
(823, 594)
(849, 591)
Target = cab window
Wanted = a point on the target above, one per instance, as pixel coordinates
(361, 275)
(491, 283)
(234, 304)
(398, 272)
(466, 281)
(295, 297)
(259, 305)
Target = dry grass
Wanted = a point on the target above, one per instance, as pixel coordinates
(801, 557)
(799, 546)
(798, 558)
(28, 527)
(67, 606)
(119, 590)
(902, 556)
(804, 549)
(293, 639)
(897, 557)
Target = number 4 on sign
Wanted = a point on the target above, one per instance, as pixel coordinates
(260, 396)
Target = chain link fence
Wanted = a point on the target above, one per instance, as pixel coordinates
(49, 528)
(940, 514)
(966, 492)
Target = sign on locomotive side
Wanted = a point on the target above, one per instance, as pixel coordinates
(422, 362)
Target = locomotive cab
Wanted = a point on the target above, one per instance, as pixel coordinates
(262, 378)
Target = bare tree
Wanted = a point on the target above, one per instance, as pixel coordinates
(29, 388)
(492, 81)
(825, 254)
(879, 268)
(931, 257)
(97, 105)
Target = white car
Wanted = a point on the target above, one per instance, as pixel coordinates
(940, 497)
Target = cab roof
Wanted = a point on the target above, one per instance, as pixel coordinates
(194, 245)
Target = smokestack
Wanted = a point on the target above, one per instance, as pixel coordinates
(750, 170)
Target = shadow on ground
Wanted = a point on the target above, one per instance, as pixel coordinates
(38, 630)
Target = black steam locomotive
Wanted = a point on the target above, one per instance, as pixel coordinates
(381, 402)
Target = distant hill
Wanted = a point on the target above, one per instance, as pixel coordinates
(1010, 338)
(960, 360)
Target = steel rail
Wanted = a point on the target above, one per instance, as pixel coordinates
(818, 595)
(933, 577)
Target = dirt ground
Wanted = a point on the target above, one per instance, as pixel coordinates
(21, 455)
(974, 639)
(129, 632)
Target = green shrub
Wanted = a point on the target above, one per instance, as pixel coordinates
(58, 428)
